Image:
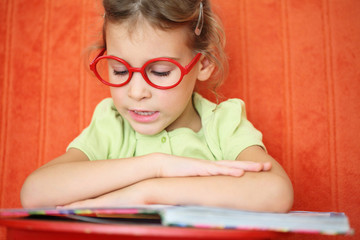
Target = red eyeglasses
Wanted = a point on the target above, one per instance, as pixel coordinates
(160, 73)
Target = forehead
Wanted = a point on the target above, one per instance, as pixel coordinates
(145, 39)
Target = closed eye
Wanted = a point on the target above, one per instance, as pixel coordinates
(121, 73)
(161, 74)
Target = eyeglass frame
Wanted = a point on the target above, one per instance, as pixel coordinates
(184, 70)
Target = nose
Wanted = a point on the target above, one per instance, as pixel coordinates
(138, 88)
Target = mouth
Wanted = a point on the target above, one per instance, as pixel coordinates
(144, 113)
(144, 116)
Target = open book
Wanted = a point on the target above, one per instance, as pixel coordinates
(329, 223)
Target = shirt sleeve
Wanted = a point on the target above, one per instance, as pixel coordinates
(234, 132)
(104, 137)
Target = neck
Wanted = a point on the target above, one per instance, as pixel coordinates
(189, 119)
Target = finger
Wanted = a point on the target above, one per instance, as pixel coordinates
(225, 170)
(245, 165)
(236, 172)
(267, 166)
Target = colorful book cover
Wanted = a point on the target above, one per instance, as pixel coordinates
(329, 223)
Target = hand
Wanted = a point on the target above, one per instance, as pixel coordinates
(173, 166)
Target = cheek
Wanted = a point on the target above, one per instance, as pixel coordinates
(191, 78)
(185, 89)
(188, 84)
(176, 99)
(118, 92)
(118, 95)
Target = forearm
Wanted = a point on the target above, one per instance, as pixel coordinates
(64, 183)
(254, 191)
(72, 177)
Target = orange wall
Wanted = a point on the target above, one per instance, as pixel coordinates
(296, 63)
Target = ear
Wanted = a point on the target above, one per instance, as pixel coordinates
(206, 69)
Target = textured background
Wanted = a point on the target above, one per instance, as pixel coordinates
(296, 63)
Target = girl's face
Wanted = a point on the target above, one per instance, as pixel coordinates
(150, 110)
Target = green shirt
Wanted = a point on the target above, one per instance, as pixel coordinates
(224, 134)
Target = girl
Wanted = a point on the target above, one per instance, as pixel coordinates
(156, 141)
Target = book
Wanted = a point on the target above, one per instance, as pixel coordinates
(329, 223)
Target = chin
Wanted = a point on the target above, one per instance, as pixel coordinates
(147, 130)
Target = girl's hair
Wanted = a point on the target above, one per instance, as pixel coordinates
(170, 14)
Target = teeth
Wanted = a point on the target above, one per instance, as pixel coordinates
(144, 113)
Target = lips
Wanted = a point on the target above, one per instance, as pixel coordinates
(144, 113)
(144, 116)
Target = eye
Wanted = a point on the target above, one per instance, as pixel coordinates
(119, 70)
(161, 69)
(120, 73)
(161, 74)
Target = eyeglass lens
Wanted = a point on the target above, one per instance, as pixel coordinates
(160, 73)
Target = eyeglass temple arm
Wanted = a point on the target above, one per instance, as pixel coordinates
(92, 65)
(192, 63)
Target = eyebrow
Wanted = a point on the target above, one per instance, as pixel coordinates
(173, 58)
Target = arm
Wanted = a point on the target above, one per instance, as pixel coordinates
(72, 177)
(265, 191)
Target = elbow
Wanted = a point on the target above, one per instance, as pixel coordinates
(283, 204)
(26, 202)
(280, 196)
(31, 194)
(27, 195)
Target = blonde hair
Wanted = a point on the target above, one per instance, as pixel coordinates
(170, 14)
